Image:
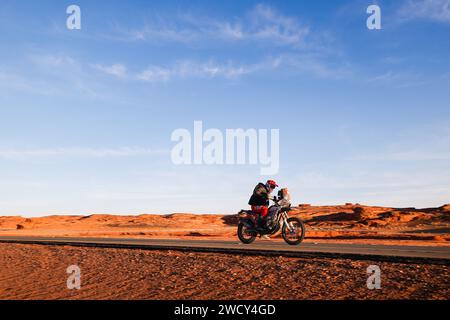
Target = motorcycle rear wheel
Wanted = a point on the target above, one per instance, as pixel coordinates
(296, 237)
(244, 236)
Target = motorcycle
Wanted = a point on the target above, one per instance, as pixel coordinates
(292, 229)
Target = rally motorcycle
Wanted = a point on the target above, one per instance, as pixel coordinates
(292, 229)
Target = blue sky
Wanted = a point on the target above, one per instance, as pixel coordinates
(86, 115)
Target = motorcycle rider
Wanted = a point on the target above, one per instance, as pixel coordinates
(259, 201)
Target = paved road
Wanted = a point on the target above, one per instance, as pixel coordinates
(262, 247)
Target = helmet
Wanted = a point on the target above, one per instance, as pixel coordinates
(271, 183)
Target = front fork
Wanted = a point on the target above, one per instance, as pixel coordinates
(285, 221)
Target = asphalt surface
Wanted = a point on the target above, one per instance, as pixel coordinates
(413, 254)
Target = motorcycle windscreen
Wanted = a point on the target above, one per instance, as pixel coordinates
(285, 197)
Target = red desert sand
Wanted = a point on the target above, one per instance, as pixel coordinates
(40, 272)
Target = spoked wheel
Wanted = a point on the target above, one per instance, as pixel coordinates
(244, 235)
(294, 234)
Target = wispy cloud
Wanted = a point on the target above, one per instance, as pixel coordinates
(13, 154)
(273, 26)
(13, 81)
(189, 69)
(182, 69)
(52, 60)
(315, 66)
(58, 75)
(398, 79)
(262, 24)
(435, 10)
(117, 70)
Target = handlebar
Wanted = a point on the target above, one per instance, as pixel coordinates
(277, 201)
(274, 199)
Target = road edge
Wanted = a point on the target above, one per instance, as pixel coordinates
(255, 252)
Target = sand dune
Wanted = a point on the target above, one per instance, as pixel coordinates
(350, 222)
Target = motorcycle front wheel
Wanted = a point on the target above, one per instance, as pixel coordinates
(244, 235)
(295, 236)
